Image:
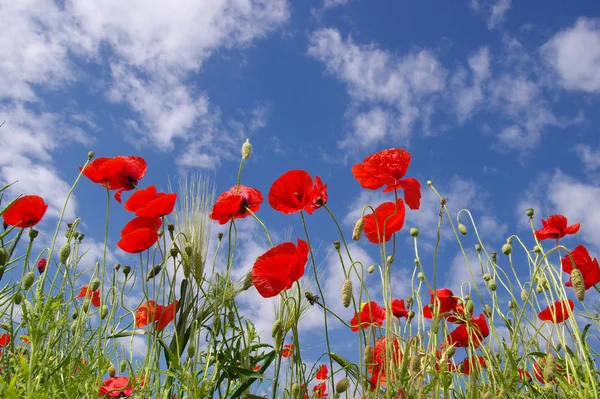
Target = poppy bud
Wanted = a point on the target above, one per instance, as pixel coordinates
(171, 227)
(63, 254)
(487, 277)
(74, 327)
(358, 229)
(523, 294)
(390, 260)
(18, 298)
(33, 233)
(410, 316)
(277, 328)
(91, 154)
(550, 368)
(467, 297)
(174, 252)
(340, 360)
(414, 232)
(75, 315)
(346, 293)
(469, 307)
(434, 328)
(76, 235)
(220, 235)
(85, 306)
(278, 341)
(28, 280)
(41, 266)
(416, 261)
(506, 249)
(246, 149)
(295, 391)
(336, 245)
(578, 284)
(3, 256)
(421, 276)
(371, 269)
(478, 248)
(94, 284)
(539, 289)
(153, 272)
(492, 285)
(494, 256)
(122, 366)
(103, 312)
(117, 266)
(368, 354)
(529, 212)
(463, 229)
(191, 351)
(537, 249)
(81, 235)
(112, 371)
(544, 282)
(342, 385)
(487, 310)
(409, 300)
(512, 304)
(231, 319)
(126, 270)
(414, 365)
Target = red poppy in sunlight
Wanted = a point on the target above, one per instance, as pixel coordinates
(235, 203)
(322, 373)
(555, 227)
(399, 309)
(370, 314)
(470, 364)
(26, 211)
(139, 234)
(387, 214)
(558, 312)
(41, 266)
(4, 339)
(294, 191)
(387, 168)
(288, 350)
(380, 351)
(459, 315)
(116, 387)
(141, 222)
(446, 301)
(320, 390)
(120, 173)
(151, 312)
(86, 292)
(471, 333)
(147, 202)
(279, 267)
(589, 268)
(102, 170)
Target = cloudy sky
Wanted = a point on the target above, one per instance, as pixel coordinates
(494, 99)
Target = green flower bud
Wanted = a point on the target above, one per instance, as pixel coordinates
(414, 365)
(368, 354)
(94, 284)
(75, 315)
(492, 285)
(126, 270)
(3, 256)
(421, 276)
(469, 307)
(81, 235)
(117, 266)
(550, 368)
(494, 256)
(246, 149)
(342, 385)
(578, 284)
(487, 310)
(91, 154)
(63, 254)
(346, 293)
(539, 289)
(28, 280)
(478, 248)
(191, 351)
(390, 260)
(414, 232)
(85, 306)
(463, 229)
(358, 229)
(537, 249)
(103, 312)
(18, 298)
(247, 282)
(295, 391)
(506, 249)
(33, 233)
(411, 315)
(171, 227)
(187, 248)
(122, 366)
(524, 295)
(371, 269)
(410, 300)
(336, 245)
(174, 252)
(487, 277)
(277, 328)
(112, 371)
(74, 328)
(529, 212)
(154, 272)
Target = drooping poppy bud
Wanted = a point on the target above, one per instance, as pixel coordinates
(463, 229)
(507, 249)
(358, 229)
(28, 280)
(342, 385)
(578, 284)
(63, 254)
(103, 312)
(346, 293)
(94, 284)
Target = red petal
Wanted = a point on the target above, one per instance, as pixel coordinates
(374, 232)
(412, 192)
(140, 199)
(291, 191)
(559, 310)
(162, 205)
(139, 240)
(26, 211)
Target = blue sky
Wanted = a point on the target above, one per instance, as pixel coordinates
(495, 100)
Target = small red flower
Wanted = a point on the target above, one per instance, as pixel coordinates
(151, 312)
(235, 202)
(139, 234)
(370, 314)
(463, 336)
(256, 368)
(294, 191)
(558, 312)
(470, 364)
(322, 373)
(398, 308)
(86, 292)
(41, 266)
(446, 301)
(26, 211)
(320, 390)
(116, 387)
(590, 270)
(288, 350)
(26, 338)
(387, 214)
(149, 203)
(387, 168)
(4, 340)
(120, 173)
(555, 227)
(279, 267)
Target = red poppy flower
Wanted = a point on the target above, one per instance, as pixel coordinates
(386, 211)
(26, 211)
(120, 173)
(320, 390)
(524, 374)
(294, 191)
(86, 292)
(470, 364)
(235, 202)
(555, 227)
(387, 168)
(151, 312)
(4, 339)
(370, 314)
(139, 234)
(322, 373)
(380, 350)
(459, 314)
(147, 202)
(41, 266)
(288, 350)
(558, 312)
(102, 170)
(398, 308)
(446, 301)
(279, 267)
(590, 270)
(463, 336)
(116, 387)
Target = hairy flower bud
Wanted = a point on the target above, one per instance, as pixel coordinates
(414, 232)
(75, 315)
(91, 154)
(18, 298)
(410, 316)
(342, 385)
(122, 366)
(174, 252)
(246, 149)
(550, 368)
(94, 284)
(346, 293)
(487, 310)
(358, 229)
(578, 284)
(191, 351)
(524, 295)
(277, 328)
(63, 254)
(463, 229)
(28, 280)
(154, 272)
(112, 371)
(506, 249)
(103, 312)
(368, 354)
(492, 285)
(85, 306)
(529, 212)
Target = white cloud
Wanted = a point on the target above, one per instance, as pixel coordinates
(494, 9)
(589, 156)
(370, 128)
(468, 97)
(574, 53)
(334, 3)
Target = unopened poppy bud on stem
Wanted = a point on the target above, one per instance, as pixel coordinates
(506, 249)
(246, 149)
(126, 270)
(154, 272)
(342, 385)
(492, 285)
(463, 229)
(358, 229)
(174, 252)
(578, 284)
(371, 269)
(529, 212)
(103, 312)
(63, 254)
(346, 293)
(122, 366)
(421, 276)
(336, 245)
(91, 154)
(487, 310)
(112, 371)
(33, 233)
(523, 294)
(94, 284)
(28, 280)
(247, 282)
(478, 248)
(86, 305)
(550, 368)
(390, 260)
(18, 298)
(414, 232)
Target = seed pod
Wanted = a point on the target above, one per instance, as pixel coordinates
(478, 248)
(3, 256)
(463, 229)
(487, 277)
(112, 371)
(122, 366)
(154, 272)
(346, 293)
(342, 385)
(174, 252)
(421, 276)
(529, 212)
(126, 270)
(410, 300)
(492, 285)
(371, 269)
(28, 280)
(487, 310)
(103, 312)
(336, 245)
(117, 266)
(368, 354)
(506, 249)
(63, 254)
(191, 351)
(81, 235)
(246, 149)
(33, 233)
(414, 232)
(578, 284)
(18, 298)
(550, 368)
(94, 284)
(358, 229)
